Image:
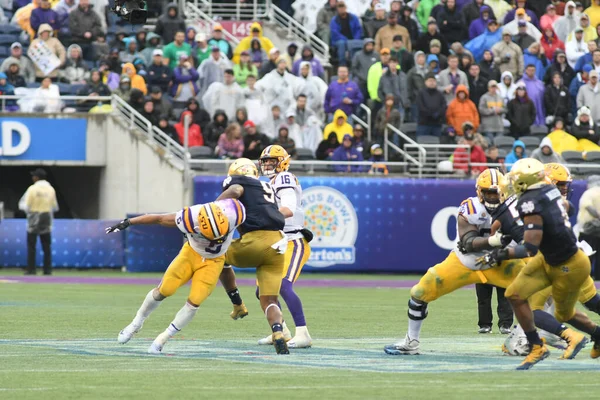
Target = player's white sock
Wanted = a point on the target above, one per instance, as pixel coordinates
(302, 331)
(146, 309)
(414, 328)
(183, 317)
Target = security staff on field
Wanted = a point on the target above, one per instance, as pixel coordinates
(39, 203)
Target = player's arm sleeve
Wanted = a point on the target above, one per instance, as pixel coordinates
(288, 199)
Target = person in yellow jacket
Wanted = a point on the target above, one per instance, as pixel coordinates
(339, 125)
(593, 12)
(137, 82)
(589, 30)
(23, 17)
(256, 31)
(39, 203)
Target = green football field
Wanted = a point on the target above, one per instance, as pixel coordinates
(58, 341)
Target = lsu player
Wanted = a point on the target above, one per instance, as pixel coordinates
(556, 261)
(262, 245)
(209, 230)
(460, 267)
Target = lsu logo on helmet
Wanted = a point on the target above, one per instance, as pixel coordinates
(560, 176)
(488, 185)
(273, 160)
(213, 222)
(243, 166)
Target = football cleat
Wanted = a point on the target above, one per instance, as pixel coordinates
(575, 342)
(485, 329)
(238, 312)
(287, 335)
(407, 347)
(595, 353)
(552, 340)
(157, 346)
(279, 343)
(303, 341)
(127, 333)
(505, 330)
(538, 353)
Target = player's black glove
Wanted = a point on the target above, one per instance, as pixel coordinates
(493, 258)
(119, 227)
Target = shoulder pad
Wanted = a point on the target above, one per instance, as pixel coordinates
(473, 211)
(284, 180)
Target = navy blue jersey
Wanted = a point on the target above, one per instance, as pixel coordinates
(510, 221)
(262, 213)
(558, 241)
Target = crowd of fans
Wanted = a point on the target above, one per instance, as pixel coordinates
(465, 71)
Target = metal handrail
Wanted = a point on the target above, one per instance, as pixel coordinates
(389, 144)
(237, 10)
(368, 111)
(295, 28)
(193, 11)
(362, 123)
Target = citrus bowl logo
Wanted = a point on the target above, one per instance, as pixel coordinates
(332, 219)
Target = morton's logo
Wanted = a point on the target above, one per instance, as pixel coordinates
(332, 219)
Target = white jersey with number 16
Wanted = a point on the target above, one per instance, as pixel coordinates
(287, 188)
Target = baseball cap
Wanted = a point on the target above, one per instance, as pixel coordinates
(39, 172)
(522, 23)
(157, 52)
(550, 7)
(506, 31)
(397, 37)
(379, 7)
(587, 68)
(273, 51)
(435, 43)
(385, 50)
(249, 124)
(183, 57)
(520, 11)
(244, 53)
(200, 37)
(376, 149)
(347, 137)
(492, 21)
(593, 73)
(155, 89)
(578, 29)
(430, 75)
(584, 16)
(492, 83)
(215, 49)
(217, 27)
(16, 44)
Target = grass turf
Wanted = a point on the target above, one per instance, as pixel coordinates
(59, 342)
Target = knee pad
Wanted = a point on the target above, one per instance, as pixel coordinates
(417, 311)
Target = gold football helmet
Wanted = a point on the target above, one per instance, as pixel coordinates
(273, 160)
(526, 173)
(560, 176)
(212, 222)
(243, 166)
(488, 187)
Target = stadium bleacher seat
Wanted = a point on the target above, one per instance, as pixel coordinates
(539, 130)
(8, 14)
(502, 153)
(2, 60)
(91, 64)
(74, 89)
(531, 142)
(7, 38)
(64, 88)
(10, 29)
(504, 143)
(593, 156)
(33, 85)
(199, 152)
(572, 157)
(4, 51)
(305, 154)
(428, 139)
(409, 128)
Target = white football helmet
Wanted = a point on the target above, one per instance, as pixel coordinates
(516, 343)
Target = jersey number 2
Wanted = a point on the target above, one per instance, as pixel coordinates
(269, 195)
(214, 247)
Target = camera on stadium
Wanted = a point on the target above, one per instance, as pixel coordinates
(131, 10)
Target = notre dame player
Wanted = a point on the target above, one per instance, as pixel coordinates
(556, 260)
(262, 244)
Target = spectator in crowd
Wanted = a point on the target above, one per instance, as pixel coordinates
(227, 96)
(55, 46)
(216, 128)
(159, 74)
(339, 125)
(437, 9)
(75, 70)
(137, 82)
(588, 58)
(327, 147)
(576, 47)
(393, 81)
(85, 26)
(93, 87)
(165, 126)
(100, 48)
(432, 108)
(162, 106)
(411, 25)
(113, 60)
(483, 42)
(493, 157)
(388, 114)
(241, 115)
(63, 8)
(149, 112)
(7, 89)
(136, 100)
(102, 8)
(270, 126)
(44, 15)
(461, 159)
(584, 127)
(130, 54)
(22, 17)
(526, 12)
(39, 203)
(589, 222)
(360, 143)
(200, 115)
(521, 112)
(346, 33)
(378, 161)
(243, 69)
(258, 55)
(522, 38)
(254, 141)
(256, 32)
(424, 12)
(375, 73)
(521, 26)
(452, 23)
(347, 152)
(385, 35)
(441, 60)
(508, 56)
(462, 109)
(471, 11)
(26, 67)
(562, 140)
(533, 56)
(47, 97)
(567, 23)
(535, 92)
(195, 137)
(399, 52)
(593, 11)
(369, 13)
(373, 25)
(212, 70)
(124, 89)
(279, 86)
(13, 75)
(291, 55)
(451, 78)
(507, 87)
(152, 43)
(517, 153)
(557, 101)
(270, 64)
(432, 33)
(301, 112)
(250, 91)
(550, 43)
(488, 67)
(478, 84)
(492, 111)
(202, 51)
(484, 308)
(168, 25)
(324, 17)
(190, 37)
(230, 144)
(343, 94)
(589, 96)
(118, 41)
(314, 88)
(219, 40)
(589, 32)
(548, 19)
(546, 154)
(362, 62)
(309, 56)
(415, 81)
(283, 139)
(595, 62)
(175, 49)
(580, 80)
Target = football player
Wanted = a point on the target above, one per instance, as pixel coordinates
(459, 268)
(556, 262)
(262, 245)
(209, 230)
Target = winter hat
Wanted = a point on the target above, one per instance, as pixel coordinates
(249, 124)
(3, 75)
(584, 111)
(587, 68)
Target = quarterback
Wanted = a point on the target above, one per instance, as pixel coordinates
(209, 230)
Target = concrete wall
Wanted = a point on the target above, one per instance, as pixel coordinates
(136, 178)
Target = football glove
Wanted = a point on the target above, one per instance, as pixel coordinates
(499, 240)
(493, 258)
(119, 227)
